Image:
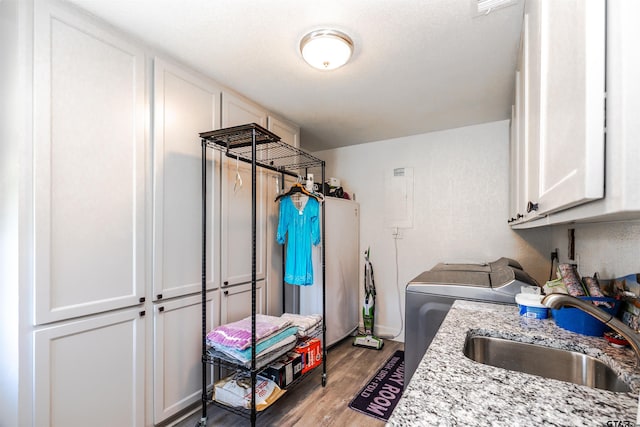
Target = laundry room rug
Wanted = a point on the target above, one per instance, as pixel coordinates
(381, 394)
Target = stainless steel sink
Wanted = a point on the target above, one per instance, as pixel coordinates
(547, 362)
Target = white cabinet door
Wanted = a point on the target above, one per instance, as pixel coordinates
(523, 126)
(177, 350)
(90, 372)
(235, 302)
(185, 105)
(570, 146)
(236, 220)
(530, 80)
(518, 155)
(236, 217)
(288, 132)
(89, 167)
(240, 111)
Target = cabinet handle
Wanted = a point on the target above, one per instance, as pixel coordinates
(159, 296)
(142, 299)
(532, 206)
(142, 313)
(160, 309)
(226, 292)
(226, 283)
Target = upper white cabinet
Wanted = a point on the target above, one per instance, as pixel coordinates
(518, 189)
(185, 104)
(562, 98)
(572, 95)
(622, 152)
(89, 167)
(240, 111)
(288, 132)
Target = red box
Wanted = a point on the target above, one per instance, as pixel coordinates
(311, 351)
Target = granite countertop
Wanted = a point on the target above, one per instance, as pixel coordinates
(450, 389)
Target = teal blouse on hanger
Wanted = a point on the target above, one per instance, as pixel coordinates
(303, 228)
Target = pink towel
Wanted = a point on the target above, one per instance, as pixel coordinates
(238, 334)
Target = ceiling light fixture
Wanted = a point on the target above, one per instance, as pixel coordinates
(326, 49)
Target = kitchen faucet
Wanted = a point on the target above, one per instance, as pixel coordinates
(556, 301)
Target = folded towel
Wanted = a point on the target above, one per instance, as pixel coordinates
(264, 358)
(275, 341)
(310, 332)
(238, 334)
(305, 323)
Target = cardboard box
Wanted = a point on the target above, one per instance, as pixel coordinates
(285, 370)
(311, 351)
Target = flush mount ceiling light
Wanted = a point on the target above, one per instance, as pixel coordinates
(326, 49)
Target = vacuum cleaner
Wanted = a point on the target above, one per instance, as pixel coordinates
(368, 340)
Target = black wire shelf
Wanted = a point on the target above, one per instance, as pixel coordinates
(271, 153)
(246, 413)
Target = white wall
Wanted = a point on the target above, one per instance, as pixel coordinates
(461, 189)
(610, 248)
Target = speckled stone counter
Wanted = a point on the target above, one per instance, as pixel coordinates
(448, 389)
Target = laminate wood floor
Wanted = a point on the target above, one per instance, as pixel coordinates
(309, 404)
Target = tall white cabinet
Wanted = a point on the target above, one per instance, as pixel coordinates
(185, 104)
(89, 232)
(104, 301)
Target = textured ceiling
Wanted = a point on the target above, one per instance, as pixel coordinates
(418, 65)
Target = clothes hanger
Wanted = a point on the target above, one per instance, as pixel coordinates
(237, 185)
(298, 188)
